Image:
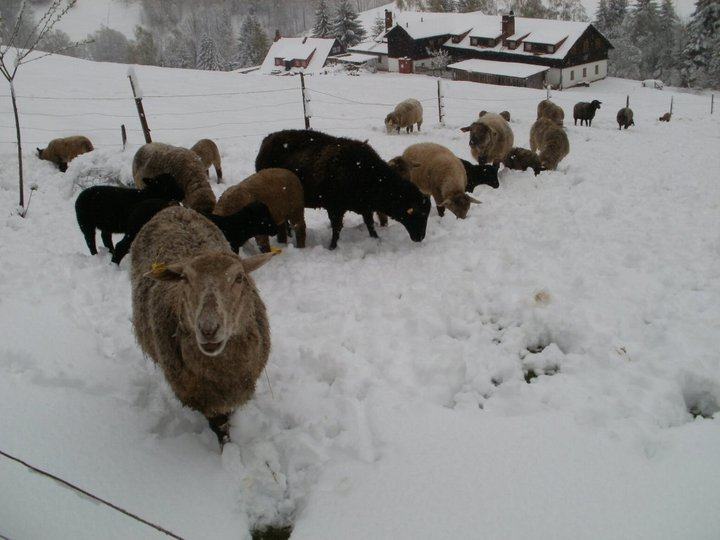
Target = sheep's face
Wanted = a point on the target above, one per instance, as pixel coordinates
(595, 104)
(214, 293)
(460, 204)
(258, 214)
(392, 123)
(414, 212)
(482, 139)
(40, 152)
(164, 187)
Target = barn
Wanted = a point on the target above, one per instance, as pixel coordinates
(503, 73)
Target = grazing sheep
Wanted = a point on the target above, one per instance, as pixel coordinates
(406, 114)
(551, 111)
(210, 155)
(665, 117)
(253, 219)
(436, 171)
(625, 118)
(520, 159)
(551, 140)
(490, 139)
(198, 314)
(281, 191)
(480, 175)
(481, 114)
(63, 151)
(344, 175)
(505, 115)
(141, 213)
(154, 159)
(107, 208)
(585, 112)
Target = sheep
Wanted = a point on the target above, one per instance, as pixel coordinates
(520, 159)
(480, 175)
(141, 213)
(551, 111)
(154, 159)
(505, 115)
(482, 113)
(281, 191)
(63, 151)
(625, 118)
(406, 114)
(210, 155)
(585, 112)
(490, 139)
(552, 142)
(107, 208)
(197, 313)
(343, 175)
(436, 171)
(665, 117)
(253, 219)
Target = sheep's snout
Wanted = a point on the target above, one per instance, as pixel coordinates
(210, 327)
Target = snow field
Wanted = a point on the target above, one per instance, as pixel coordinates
(399, 404)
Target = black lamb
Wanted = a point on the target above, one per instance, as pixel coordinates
(585, 112)
(141, 213)
(480, 175)
(251, 220)
(343, 175)
(107, 208)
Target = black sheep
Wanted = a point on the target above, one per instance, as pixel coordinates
(108, 207)
(344, 175)
(480, 175)
(251, 220)
(141, 213)
(585, 112)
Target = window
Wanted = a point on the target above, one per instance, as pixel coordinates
(572, 75)
(584, 72)
(597, 69)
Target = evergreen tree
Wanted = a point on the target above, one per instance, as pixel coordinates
(208, 57)
(702, 65)
(617, 10)
(567, 10)
(533, 9)
(378, 27)
(143, 50)
(602, 16)
(322, 26)
(441, 6)
(624, 60)
(346, 26)
(467, 6)
(253, 43)
(644, 30)
(669, 24)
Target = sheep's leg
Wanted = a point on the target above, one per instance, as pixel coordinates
(263, 242)
(107, 240)
(441, 211)
(282, 233)
(121, 249)
(336, 221)
(218, 171)
(62, 166)
(576, 122)
(370, 224)
(220, 424)
(299, 234)
(383, 219)
(89, 234)
(419, 125)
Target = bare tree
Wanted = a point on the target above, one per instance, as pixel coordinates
(15, 52)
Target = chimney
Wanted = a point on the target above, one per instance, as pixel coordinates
(388, 19)
(277, 35)
(508, 24)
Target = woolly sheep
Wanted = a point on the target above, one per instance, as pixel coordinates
(406, 114)
(551, 111)
(436, 171)
(625, 118)
(63, 151)
(210, 155)
(520, 159)
(281, 191)
(585, 112)
(198, 314)
(108, 208)
(552, 142)
(154, 159)
(665, 117)
(480, 175)
(490, 139)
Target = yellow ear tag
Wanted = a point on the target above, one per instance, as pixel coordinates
(158, 268)
(410, 211)
(275, 250)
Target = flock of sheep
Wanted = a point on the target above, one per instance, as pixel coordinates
(196, 310)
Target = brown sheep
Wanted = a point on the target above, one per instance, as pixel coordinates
(551, 111)
(625, 118)
(552, 142)
(520, 159)
(210, 155)
(63, 151)
(406, 114)
(436, 171)
(281, 191)
(665, 117)
(490, 139)
(154, 159)
(198, 314)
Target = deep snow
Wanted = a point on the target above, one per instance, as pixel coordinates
(399, 405)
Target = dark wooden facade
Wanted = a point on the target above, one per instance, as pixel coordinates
(402, 45)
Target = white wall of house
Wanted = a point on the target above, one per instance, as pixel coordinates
(584, 73)
(383, 62)
(393, 64)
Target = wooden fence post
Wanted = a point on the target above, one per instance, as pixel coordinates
(712, 103)
(304, 100)
(441, 111)
(139, 104)
(123, 135)
(627, 100)
(671, 104)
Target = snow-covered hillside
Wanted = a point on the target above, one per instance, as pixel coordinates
(530, 372)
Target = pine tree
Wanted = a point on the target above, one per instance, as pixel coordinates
(624, 60)
(467, 6)
(702, 66)
(533, 9)
(378, 27)
(253, 43)
(346, 26)
(567, 10)
(322, 26)
(208, 57)
(644, 30)
(617, 10)
(669, 24)
(143, 50)
(441, 6)
(602, 16)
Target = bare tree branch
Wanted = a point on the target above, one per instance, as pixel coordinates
(18, 22)
(57, 51)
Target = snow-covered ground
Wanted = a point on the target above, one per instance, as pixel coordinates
(402, 399)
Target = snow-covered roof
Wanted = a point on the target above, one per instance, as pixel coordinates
(424, 25)
(375, 47)
(355, 58)
(506, 69)
(298, 49)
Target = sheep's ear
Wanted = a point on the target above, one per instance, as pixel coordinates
(472, 200)
(250, 264)
(162, 272)
(466, 129)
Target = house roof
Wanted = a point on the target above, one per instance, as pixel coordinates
(355, 58)
(374, 47)
(506, 69)
(298, 49)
